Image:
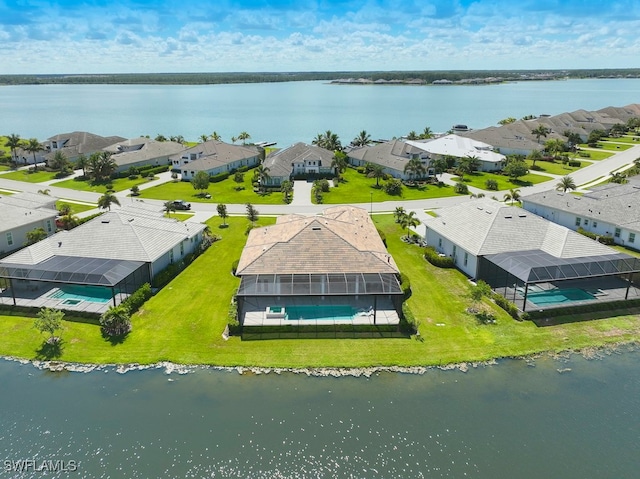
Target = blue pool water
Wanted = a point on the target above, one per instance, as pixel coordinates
(329, 312)
(559, 296)
(92, 294)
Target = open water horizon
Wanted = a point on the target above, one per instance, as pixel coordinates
(294, 111)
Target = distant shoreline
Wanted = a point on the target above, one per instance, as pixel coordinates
(440, 77)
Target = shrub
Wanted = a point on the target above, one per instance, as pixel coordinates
(383, 236)
(219, 177)
(234, 266)
(116, 321)
(393, 187)
(133, 177)
(432, 256)
(461, 188)
(322, 185)
(491, 184)
(138, 298)
(486, 318)
(361, 170)
(586, 233)
(405, 285)
(232, 318)
(408, 322)
(507, 305)
(608, 240)
(575, 163)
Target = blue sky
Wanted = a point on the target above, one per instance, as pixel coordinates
(122, 36)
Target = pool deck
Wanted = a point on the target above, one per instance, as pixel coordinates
(255, 312)
(38, 297)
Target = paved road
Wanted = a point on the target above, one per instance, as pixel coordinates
(302, 199)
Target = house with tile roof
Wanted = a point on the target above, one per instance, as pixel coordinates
(21, 213)
(214, 157)
(114, 253)
(609, 210)
(76, 143)
(300, 161)
(507, 246)
(143, 151)
(315, 265)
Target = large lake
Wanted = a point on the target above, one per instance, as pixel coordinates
(511, 420)
(569, 419)
(291, 112)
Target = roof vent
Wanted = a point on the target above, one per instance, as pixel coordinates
(316, 228)
(59, 244)
(488, 212)
(105, 221)
(522, 215)
(480, 208)
(508, 217)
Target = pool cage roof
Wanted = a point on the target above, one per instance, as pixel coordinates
(537, 266)
(72, 269)
(319, 284)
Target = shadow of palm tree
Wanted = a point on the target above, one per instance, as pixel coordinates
(48, 350)
(113, 340)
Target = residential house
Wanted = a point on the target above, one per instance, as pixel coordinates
(608, 210)
(299, 160)
(76, 143)
(214, 157)
(143, 151)
(100, 261)
(332, 267)
(523, 255)
(458, 147)
(21, 213)
(392, 155)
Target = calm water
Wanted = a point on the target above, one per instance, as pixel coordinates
(510, 420)
(291, 112)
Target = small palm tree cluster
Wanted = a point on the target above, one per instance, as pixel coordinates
(425, 135)
(116, 321)
(328, 140)
(406, 220)
(512, 196)
(363, 139)
(566, 183)
(415, 169)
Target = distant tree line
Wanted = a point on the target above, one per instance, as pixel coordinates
(266, 77)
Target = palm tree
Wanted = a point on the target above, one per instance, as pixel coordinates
(415, 168)
(116, 321)
(539, 131)
(101, 166)
(363, 139)
(399, 213)
(412, 135)
(261, 173)
(215, 136)
(82, 162)
(327, 140)
(204, 138)
(287, 189)
(14, 142)
(377, 172)
(33, 146)
(572, 138)
(59, 162)
(534, 156)
(169, 206)
(426, 133)
(108, 199)
(339, 162)
(618, 177)
(408, 221)
(244, 136)
(439, 166)
(554, 147)
(513, 195)
(233, 140)
(222, 213)
(566, 183)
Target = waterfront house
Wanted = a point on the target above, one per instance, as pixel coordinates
(99, 262)
(143, 151)
(298, 161)
(392, 156)
(610, 210)
(21, 213)
(214, 157)
(458, 147)
(535, 263)
(76, 143)
(332, 268)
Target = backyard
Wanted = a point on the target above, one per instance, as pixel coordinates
(119, 184)
(183, 323)
(478, 179)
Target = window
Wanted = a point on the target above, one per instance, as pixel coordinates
(9, 238)
(181, 249)
(586, 222)
(439, 242)
(171, 256)
(617, 233)
(49, 226)
(466, 258)
(578, 221)
(595, 224)
(632, 237)
(454, 252)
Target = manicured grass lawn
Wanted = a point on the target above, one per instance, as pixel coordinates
(595, 155)
(629, 251)
(479, 178)
(605, 145)
(119, 184)
(358, 188)
(183, 323)
(626, 139)
(557, 168)
(4, 167)
(179, 216)
(222, 192)
(75, 207)
(30, 177)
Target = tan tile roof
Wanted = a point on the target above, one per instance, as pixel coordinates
(342, 240)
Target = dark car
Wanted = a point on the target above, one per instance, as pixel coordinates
(181, 205)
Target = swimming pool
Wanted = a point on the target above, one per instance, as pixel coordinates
(559, 296)
(320, 312)
(91, 294)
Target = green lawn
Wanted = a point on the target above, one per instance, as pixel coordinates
(626, 139)
(222, 192)
(479, 178)
(179, 216)
(30, 176)
(596, 155)
(358, 188)
(626, 250)
(119, 184)
(183, 323)
(75, 207)
(556, 168)
(605, 145)
(4, 167)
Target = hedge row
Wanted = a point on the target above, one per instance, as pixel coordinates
(507, 305)
(137, 299)
(432, 256)
(593, 307)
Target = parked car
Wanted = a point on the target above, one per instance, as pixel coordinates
(181, 205)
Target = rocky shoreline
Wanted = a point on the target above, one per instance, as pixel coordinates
(169, 368)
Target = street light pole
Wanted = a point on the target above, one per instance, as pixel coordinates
(371, 207)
